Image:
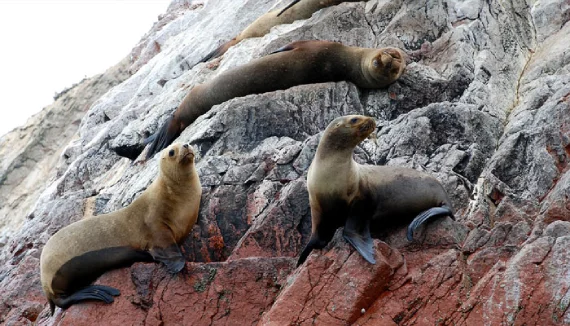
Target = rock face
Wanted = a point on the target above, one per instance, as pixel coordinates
(484, 105)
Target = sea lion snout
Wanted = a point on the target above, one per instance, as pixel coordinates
(384, 66)
(368, 125)
(182, 153)
(389, 59)
(364, 125)
(187, 154)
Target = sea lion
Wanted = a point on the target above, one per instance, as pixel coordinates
(263, 24)
(345, 193)
(302, 62)
(150, 228)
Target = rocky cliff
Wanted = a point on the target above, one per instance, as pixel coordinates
(484, 105)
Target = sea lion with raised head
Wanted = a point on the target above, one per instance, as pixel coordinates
(263, 24)
(345, 193)
(298, 63)
(151, 228)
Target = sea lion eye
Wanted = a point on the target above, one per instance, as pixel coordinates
(171, 153)
(354, 120)
(375, 62)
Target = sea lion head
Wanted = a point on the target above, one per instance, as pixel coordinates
(349, 130)
(383, 66)
(177, 161)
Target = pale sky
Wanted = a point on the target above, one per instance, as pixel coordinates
(47, 46)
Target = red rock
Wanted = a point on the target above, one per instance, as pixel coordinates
(275, 230)
(232, 293)
(332, 287)
(21, 294)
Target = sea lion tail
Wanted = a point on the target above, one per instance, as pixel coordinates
(163, 137)
(220, 50)
(287, 7)
(426, 215)
(93, 292)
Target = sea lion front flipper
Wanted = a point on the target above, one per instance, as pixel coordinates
(92, 292)
(287, 7)
(357, 233)
(170, 256)
(289, 47)
(426, 215)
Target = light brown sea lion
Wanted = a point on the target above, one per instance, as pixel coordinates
(263, 24)
(150, 228)
(345, 193)
(298, 63)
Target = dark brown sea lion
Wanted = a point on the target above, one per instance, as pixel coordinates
(263, 24)
(150, 228)
(298, 63)
(345, 193)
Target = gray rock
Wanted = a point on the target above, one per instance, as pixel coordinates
(484, 106)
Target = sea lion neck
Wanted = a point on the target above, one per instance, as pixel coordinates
(176, 181)
(333, 150)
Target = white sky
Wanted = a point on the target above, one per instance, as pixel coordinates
(47, 46)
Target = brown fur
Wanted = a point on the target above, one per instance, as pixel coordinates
(298, 63)
(342, 191)
(160, 218)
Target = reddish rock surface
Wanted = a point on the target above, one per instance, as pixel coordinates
(333, 286)
(232, 293)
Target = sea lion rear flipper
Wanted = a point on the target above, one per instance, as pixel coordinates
(170, 256)
(287, 7)
(51, 306)
(92, 292)
(169, 131)
(357, 233)
(220, 50)
(314, 243)
(150, 139)
(426, 215)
